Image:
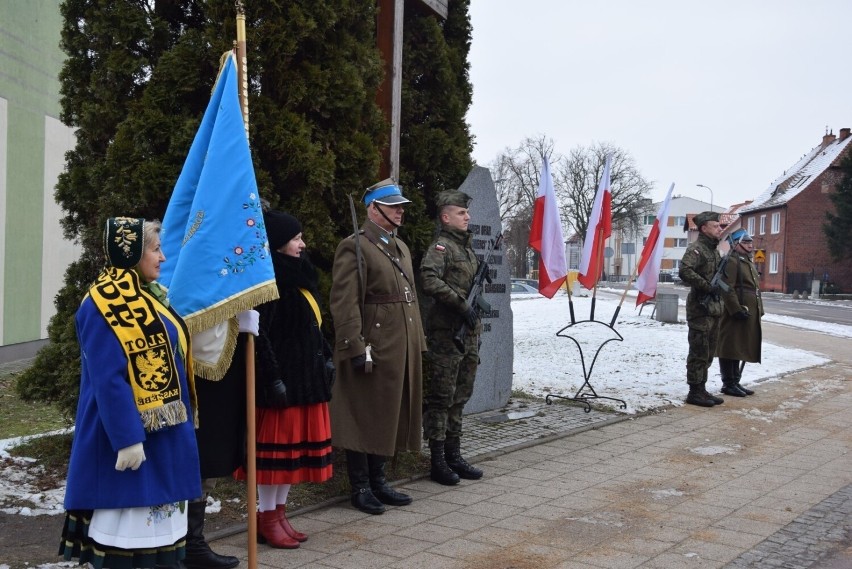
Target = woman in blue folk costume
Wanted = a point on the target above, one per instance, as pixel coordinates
(134, 459)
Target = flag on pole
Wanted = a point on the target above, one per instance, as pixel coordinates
(598, 231)
(652, 254)
(546, 236)
(217, 254)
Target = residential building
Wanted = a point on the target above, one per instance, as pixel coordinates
(787, 220)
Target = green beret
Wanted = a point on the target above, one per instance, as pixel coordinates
(703, 217)
(453, 197)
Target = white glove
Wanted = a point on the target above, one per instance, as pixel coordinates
(249, 320)
(130, 457)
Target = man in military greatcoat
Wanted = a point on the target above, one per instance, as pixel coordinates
(740, 334)
(376, 404)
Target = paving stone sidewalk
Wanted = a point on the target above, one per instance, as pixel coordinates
(759, 482)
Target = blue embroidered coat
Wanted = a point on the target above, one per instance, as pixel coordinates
(107, 420)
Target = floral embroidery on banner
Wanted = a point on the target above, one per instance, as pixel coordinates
(254, 245)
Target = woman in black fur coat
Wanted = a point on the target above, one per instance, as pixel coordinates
(294, 377)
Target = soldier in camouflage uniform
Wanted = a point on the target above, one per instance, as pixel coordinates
(447, 272)
(703, 306)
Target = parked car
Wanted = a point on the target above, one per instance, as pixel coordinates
(669, 276)
(529, 282)
(522, 288)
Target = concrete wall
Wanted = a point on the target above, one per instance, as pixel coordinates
(33, 141)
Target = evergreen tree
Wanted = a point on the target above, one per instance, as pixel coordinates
(435, 142)
(838, 226)
(135, 85)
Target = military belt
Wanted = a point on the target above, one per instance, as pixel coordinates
(389, 298)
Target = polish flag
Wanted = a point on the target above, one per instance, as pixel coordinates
(599, 229)
(546, 236)
(652, 254)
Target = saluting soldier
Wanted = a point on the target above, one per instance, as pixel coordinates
(376, 404)
(703, 306)
(740, 334)
(447, 272)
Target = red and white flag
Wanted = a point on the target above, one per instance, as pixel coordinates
(598, 231)
(546, 236)
(652, 254)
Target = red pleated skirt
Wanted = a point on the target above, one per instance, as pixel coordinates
(293, 445)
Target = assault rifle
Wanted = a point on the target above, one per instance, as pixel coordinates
(717, 283)
(718, 280)
(474, 295)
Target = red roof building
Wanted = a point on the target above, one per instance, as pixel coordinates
(786, 222)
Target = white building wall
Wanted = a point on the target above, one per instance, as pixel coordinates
(4, 128)
(57, 252)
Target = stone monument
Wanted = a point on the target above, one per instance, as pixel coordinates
(493, 384)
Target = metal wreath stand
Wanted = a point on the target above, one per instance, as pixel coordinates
(586, 391)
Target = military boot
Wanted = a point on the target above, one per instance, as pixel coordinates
(711, 397)
(441, 472)
(452, 452)
(739, 375)
(362, 496)
(696, 397)
(728, 369)
(379, 485)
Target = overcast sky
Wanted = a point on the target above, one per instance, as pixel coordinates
(726, 93)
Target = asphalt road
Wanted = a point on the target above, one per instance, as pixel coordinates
(838, 312)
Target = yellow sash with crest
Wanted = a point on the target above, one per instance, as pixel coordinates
(135, 316)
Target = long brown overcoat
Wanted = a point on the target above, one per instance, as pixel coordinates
(378, 412)
(740, 339)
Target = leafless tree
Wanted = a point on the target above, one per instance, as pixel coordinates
(516, 174)
(576, 181)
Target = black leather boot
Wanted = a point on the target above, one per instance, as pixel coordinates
(359, 480)
(441, 472)
(452, 452)
(739, 375)
(696, 397)
(379, 485)
(728, 369)
(198, 552)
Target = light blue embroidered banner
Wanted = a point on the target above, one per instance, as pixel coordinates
(217, 254)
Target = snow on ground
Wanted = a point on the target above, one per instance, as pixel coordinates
(643, 364)
(642, 361)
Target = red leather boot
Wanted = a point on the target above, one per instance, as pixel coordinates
(285, 523)
(270, 530)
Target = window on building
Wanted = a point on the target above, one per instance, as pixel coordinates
(650, 219)
(680, 243)
(762, 224)
(679, 220)
(776, 222)
(773, 263)
(751, 226)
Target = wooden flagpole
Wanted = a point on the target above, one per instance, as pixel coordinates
(598, 269)
(624, 295)
(251, 435)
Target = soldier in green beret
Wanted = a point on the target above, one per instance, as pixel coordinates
(447, 272)
(703, 306)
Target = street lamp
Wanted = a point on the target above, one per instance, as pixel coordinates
(711, 194)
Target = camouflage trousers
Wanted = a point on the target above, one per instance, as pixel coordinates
(447, 385)
(703, 333)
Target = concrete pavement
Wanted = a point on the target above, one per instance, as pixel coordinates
(764, 481)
